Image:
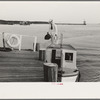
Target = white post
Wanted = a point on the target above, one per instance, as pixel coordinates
(20, 42)
(35, 41)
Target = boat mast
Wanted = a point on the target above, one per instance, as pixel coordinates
(61, 41)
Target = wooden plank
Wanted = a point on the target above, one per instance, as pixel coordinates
(20, 66)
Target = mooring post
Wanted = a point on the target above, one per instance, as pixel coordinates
(42, 53)
(37, 46)
(50, 72)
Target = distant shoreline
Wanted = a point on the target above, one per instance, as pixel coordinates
(9, 22)
(70, 24)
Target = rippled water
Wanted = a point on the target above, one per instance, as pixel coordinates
(86, 39)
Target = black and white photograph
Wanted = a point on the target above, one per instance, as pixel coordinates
(44, 41)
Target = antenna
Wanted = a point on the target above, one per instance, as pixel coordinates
(61, 40)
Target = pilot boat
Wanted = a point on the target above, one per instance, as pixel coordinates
(65, 57)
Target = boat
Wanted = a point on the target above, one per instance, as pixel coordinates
(65, 57)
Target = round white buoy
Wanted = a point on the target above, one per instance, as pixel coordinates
(13, 36)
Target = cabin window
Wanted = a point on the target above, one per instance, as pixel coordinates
(69, 56)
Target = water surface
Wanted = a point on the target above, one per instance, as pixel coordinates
(85, 38)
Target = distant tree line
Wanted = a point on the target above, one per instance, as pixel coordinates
(22, 22)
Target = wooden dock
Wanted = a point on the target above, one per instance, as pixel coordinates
(20, 66)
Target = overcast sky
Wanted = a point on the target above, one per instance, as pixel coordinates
(64, 11)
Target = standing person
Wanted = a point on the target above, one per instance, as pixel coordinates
(53, 32)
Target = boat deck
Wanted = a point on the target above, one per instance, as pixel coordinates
(20, 66)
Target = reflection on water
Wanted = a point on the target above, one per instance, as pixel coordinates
(86, 39)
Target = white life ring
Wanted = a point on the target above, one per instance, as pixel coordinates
(13, 45)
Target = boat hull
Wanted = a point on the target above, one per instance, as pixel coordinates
(71, 78)
(69, 75)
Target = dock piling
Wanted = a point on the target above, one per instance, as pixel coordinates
(42, 53)
(50, 72)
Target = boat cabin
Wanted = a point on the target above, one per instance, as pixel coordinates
(64, 56)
